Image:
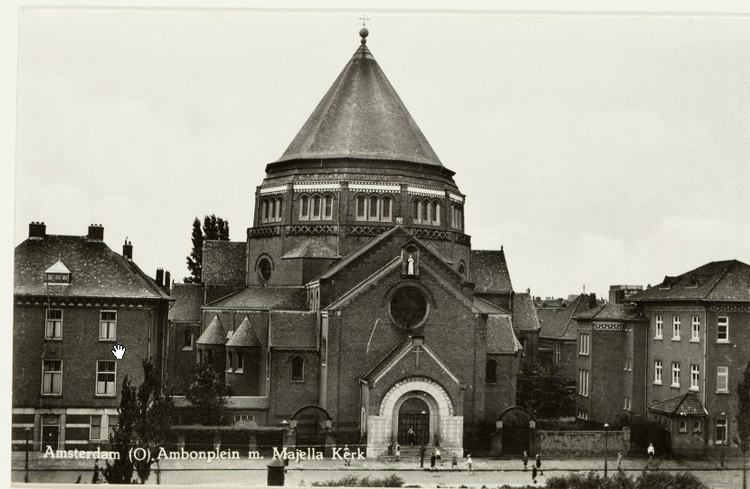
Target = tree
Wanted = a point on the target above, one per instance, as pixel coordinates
(545, 391)
(214, 228)
(207, 394)
(742, 416)
(144, 420)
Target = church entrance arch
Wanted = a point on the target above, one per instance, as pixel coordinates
(414, 421)
(312, 423)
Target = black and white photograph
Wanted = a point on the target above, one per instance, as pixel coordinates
(376, 247)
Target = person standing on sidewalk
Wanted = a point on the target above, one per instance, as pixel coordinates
(432, 460)
(470, 463)
(539, 463)
(619, 461)
(533, 474)
(525, 459)
(347, 457)
(422, 450)
(398, 452)
(438, 456)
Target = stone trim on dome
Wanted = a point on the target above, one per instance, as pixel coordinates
(422, 190)
(455, 197)
(274, 190)
(375, 187)
(317, 186)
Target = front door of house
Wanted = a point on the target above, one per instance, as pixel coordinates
(50, 431)
(414, 423)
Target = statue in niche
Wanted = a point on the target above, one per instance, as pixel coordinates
(410, 265)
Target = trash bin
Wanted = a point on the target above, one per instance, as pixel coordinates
(276, 472)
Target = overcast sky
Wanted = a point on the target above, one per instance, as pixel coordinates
(596, 149)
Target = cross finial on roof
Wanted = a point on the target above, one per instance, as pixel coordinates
(363, 32)
(364, 19)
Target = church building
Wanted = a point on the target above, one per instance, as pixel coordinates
(356, 311)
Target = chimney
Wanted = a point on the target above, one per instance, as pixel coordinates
(160, 277)
(592, 300)
(96, 232)
(127, 250)
(37, 230)
(167, 281)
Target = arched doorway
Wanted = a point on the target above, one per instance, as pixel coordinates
(516, 431)
(312, 423)
(414, 422)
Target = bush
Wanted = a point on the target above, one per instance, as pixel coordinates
(353, 481)
(647, 480)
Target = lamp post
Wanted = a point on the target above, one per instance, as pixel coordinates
(723, 437)
(606, 427)
(27, 430)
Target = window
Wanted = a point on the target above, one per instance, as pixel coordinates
(584, 344)
(675, 374)
(304, 208)
(659, 327)
(279, 202)
(722, 329)
(271, 209)
(52, 377)
(298, 369)
(696, 426)
(243, 417)
(583, 383)
(361, 208)
(657, 372)
(626, 403)
(107, 325)
(683, 426)
(491, 372)
(456, 216)
(386, 208)
(264, 268)
(240, 363)
(695, 374)
(374, 208)
(95, 427)
(230, 361)
(523, 347)
(106, 373)
(112, 423)
(721, 431)
(57, 278)
(209, 356)
(200, 355)
(53, 324)
(676, 324)
(417, 210)
(722, 379)
(695, 329)
(583, 415)
(436, 213)
(316, 201)
(187, 340)
(557, 354)
(628, 365)
(328, 207)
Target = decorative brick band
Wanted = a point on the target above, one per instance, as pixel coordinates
(311, 230)
(264, 232)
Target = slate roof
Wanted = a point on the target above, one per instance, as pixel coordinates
(500, 336)
(361, 116)
(259, 297)
(612, 312)
(487, 307)
(213, 335)
(188, 299)
(294, 329)
(311, 249)
(683, 405)
(727, 280)
(224, 262)
(558, 323)
(95, 270)
(244, 335)
(524, 313)
(489, 272)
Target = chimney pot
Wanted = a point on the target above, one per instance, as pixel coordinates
(37, 230)
(167, 281)
(160, 277)
(96, 232)
(127, 250)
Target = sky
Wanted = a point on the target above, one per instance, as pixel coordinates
(596, 149)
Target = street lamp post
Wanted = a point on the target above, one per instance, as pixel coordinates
(606, 427)
(27, 430)
(723, 438)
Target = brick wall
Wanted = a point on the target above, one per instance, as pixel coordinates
(583, 443)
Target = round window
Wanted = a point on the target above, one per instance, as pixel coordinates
(265, 268)
(409, 307)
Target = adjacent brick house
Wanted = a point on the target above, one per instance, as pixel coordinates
(356, 309)
(74, 299)
(558, 334)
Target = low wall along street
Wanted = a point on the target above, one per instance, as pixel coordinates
(577, 443)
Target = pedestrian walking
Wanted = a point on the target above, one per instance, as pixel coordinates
(438, 456)
(470, 463)
(422, 450)
(539, 463)
(533, 474)
(411, 436)
(432, 461)
(651, 450)
(454, 461)
(398, 452)
(347, 457)
(525, 459)
(619, 461)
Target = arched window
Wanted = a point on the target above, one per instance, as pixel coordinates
(373, 214)
(271, 209)
(316, 207)
(426, 212)
(264, 268)
(230, 362)
(462, 269)
(361, 208)
(240, 363)
(417, 210)
(298, 369)
(187, 340)
(304, 207)
(436, 213)
(328, 207)
(490, 375)
(279, 201)
(264, 211)
(209, 356)
(200, 355)
(387, 205)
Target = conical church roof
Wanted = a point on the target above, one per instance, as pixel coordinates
(213, 335)
(245, 335)
(361, 116)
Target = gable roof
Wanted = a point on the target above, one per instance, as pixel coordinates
(260, 297)
(558, 323)
(727, 280)
(58, 267)
(188, 299)
(489, 272)
(398, 353)
(244, 335)
(311, 248)
(364, 248)
(213, 335)
(361, 117)
(524, 313)
(612, 312)
(224, 262)
(500, 336)
(96, 270)
(683, 405)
